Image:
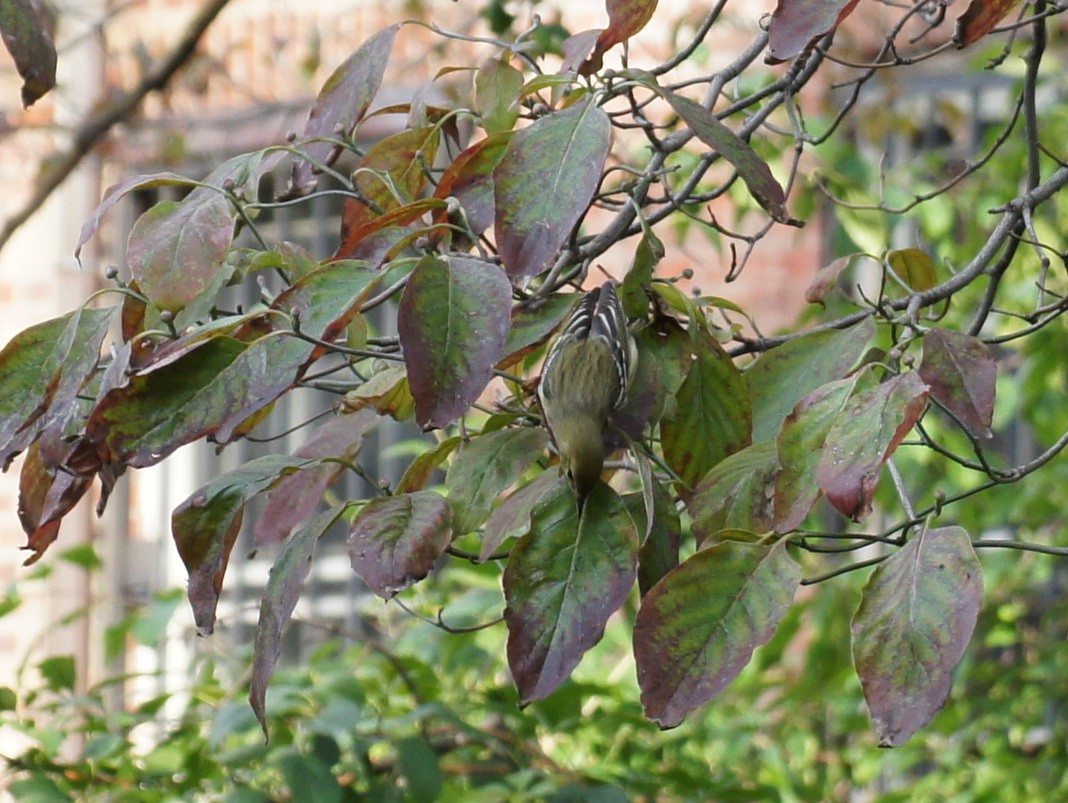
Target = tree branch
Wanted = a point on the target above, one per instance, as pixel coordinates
(97, 125)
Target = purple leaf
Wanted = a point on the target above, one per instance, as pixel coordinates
(453, 324)
(914, 622)
(869, 428)
(795, 24)
(697, 628)
(563, 155)
(296, 497)
(563, 580)
(512, 518)
(395, 541)
(342, 103)
(205, 527)
(284, 585)
(962, 375)
(469, 179)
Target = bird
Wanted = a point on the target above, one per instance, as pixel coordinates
(586, 377)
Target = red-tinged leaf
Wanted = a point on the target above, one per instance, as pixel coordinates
(391, 175)
(795, 24)
(284, 585)
(395, 218)
(485, 467)
(800, 449)
(205, 527)
(785, 375)
(827, 279)
(155, 355)
(576, 49)
(387, 391)
(979, 18)
(497, 88)
(469, 179)
(45, 497)
(697, 628)
(176, 249)
(659, 552)
(712, 416)
(293, 500)
(862, 438)
(914, 267)
(42, 365)
(738, 493)
(422, 468)
(512, 518)
(395, 541)
(341, 104)
(625, 18)
(914, 622)
(563, 155)
(28, 28)
(533, 322)
(963, 377)
(564, 578)
(453, 323)
(754, 171)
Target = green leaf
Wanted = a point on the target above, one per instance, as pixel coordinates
(785, 375)
(659, 552)
(913, 267)
(9, 700)
(341, 104)
(511, 519)
(395, 541)
(284, 585)
(800, 449)
(563, 580)
(497, 88)
(754, 171)
(633, 290)
(737, 493)
(205, 527)
(914, 622)
(309, 779)
(532, 323)
(486, 466)
(962, 375)
(865, 433)
(453, 323)
(562, 154)
(422, 468)
(712, 416)
(59, 672)
(28, 30)
(418, 764)
(697, 628)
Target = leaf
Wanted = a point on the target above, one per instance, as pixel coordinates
(633, 290)
(659, 552)
(351, 237)
(914, 267)
(284, 585)
(979, 18)
(28, 28)
(292, 501)
(395, 541)
(563, 155)
(862, 438)
(485, 467)
(176, 249)
(785, 375)
(205, 527)
(511, 519)
(962, 375)
(469, 179)
(532, 323)
(418, 763)
(453, 323)
(625, 18)
(827, 279)
(45, 497)
(422, 468)
(497, 88)
(712, 418)
(795, 24)
(387, 391)
(222, 382)
(914, 622)
(738, 493)
(754, 171)
(800, 449)
(697, 628)
(342, 103)
(563, 580)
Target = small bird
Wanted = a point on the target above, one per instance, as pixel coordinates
(585, 378)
